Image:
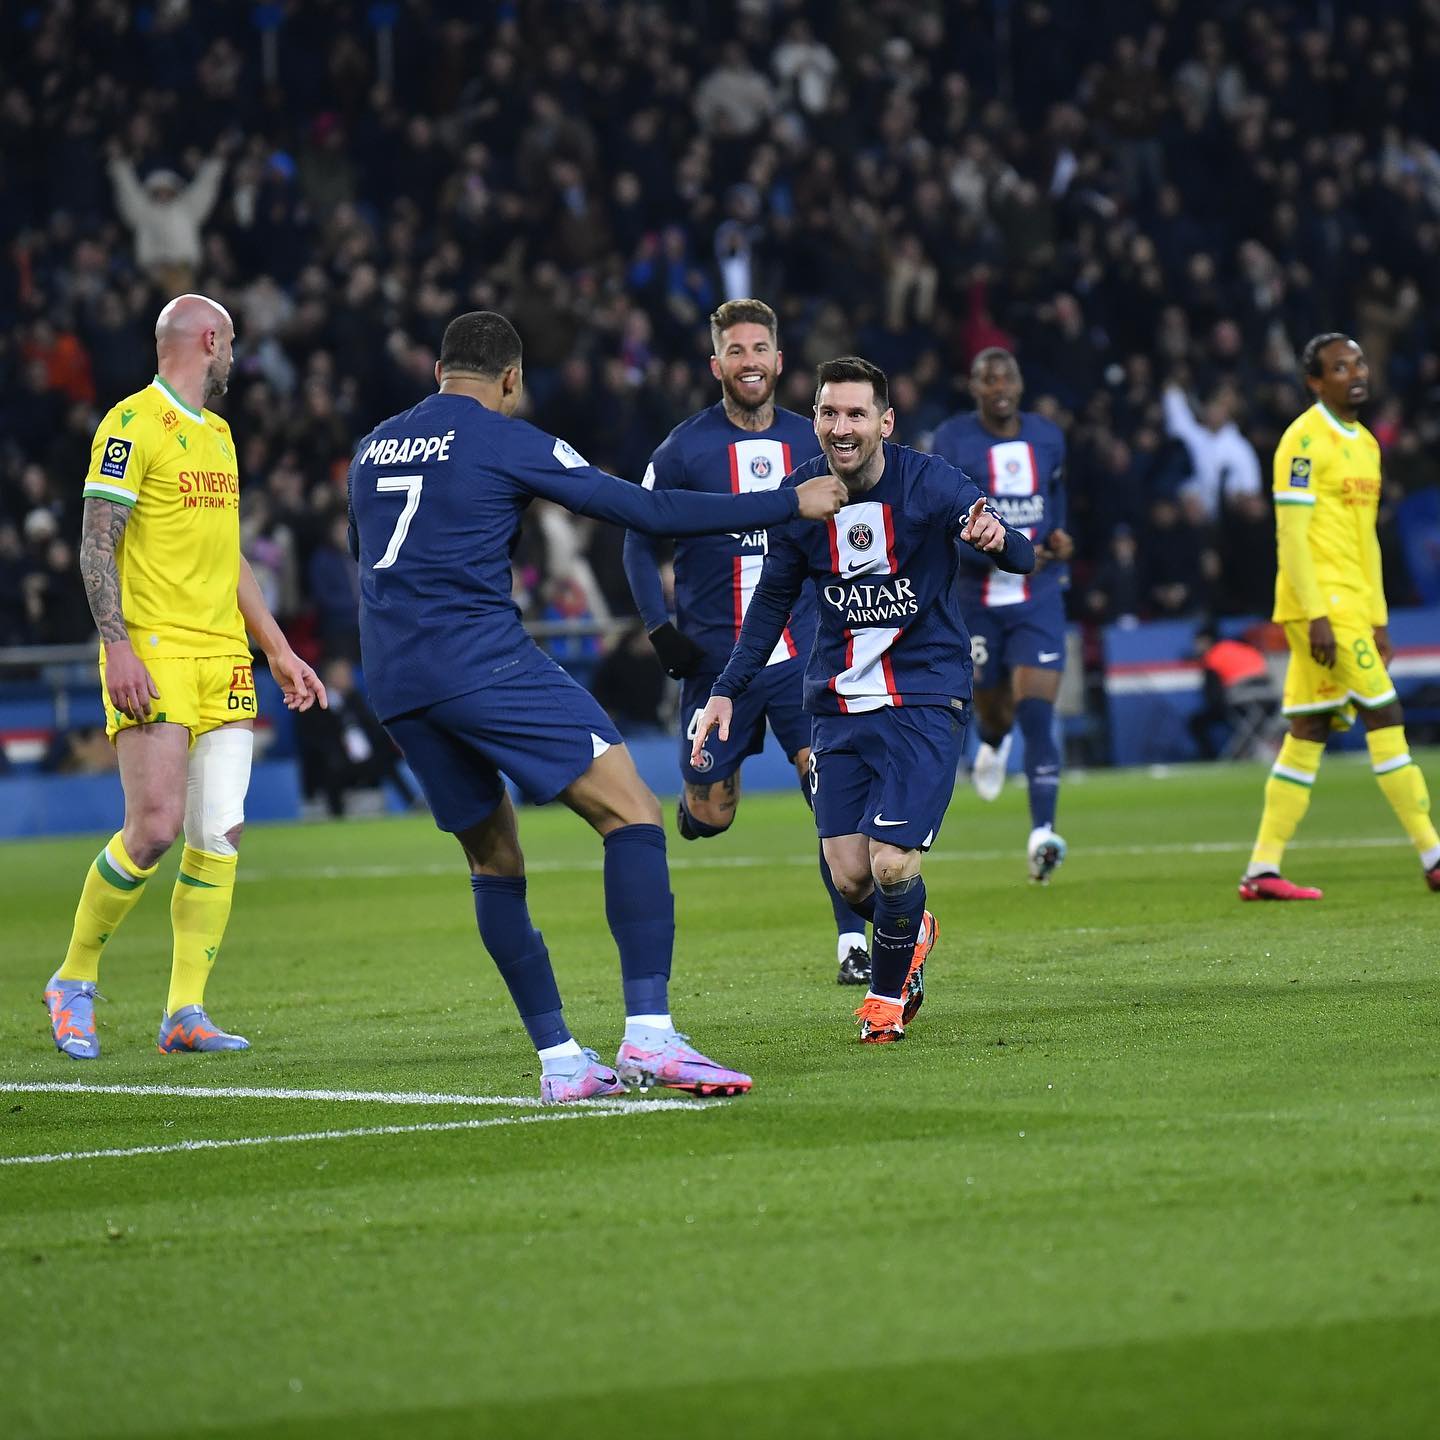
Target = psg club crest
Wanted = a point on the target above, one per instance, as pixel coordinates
(1012, 467)
(861, 537)
(703, 761)
(760, 467)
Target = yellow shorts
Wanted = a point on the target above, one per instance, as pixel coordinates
(199, 692)
(1359, 677)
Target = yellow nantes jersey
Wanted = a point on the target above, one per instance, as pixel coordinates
(1327, 493)
(179, 558)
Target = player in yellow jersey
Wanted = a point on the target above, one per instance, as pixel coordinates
(1330, 597)
(172, 598)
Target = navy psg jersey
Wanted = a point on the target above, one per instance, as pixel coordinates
(889, 629)
(436, 498)
(716, 575)
(1025, 479)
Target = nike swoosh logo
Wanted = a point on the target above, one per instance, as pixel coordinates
(1046, 656)
(879, 821)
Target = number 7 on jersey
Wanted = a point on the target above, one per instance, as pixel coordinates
(393, 484)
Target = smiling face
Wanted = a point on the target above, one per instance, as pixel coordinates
(850, 426)
(747, 365)
(1343, 384)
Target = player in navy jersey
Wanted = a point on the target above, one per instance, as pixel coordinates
(1016, 622)
(888, 679)
(436, 498)
(744, 443)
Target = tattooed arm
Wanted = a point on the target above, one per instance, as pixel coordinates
(128, 682)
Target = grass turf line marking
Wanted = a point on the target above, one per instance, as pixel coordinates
(755, 862)
(373, 1097)
(226, 1092)
(428, 1128)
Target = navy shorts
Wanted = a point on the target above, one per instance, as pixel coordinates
(537, 725)
(1007, 636)
(774, 695)
(887, 773)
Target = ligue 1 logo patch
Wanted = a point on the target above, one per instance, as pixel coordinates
(861, 537)
(1300, 473)
(760, 467)
(116, 458)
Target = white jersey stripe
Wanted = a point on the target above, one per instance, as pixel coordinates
(759, 464)
(1012, 472)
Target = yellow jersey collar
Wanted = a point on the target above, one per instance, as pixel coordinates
(158, 384)
(1350, 431)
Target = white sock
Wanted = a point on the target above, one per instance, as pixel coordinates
(559, 1057)
(1254, 868)
(644, 1027)
(1430, 858)
(853, 940)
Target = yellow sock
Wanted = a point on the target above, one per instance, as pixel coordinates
(112, 886)
(1287, 798)
(199, 911)
(1404, 786)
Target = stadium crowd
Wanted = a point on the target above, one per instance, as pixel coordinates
(1154, 211)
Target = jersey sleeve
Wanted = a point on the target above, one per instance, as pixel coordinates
(1292, 475)
(1294, 505)
(642, 552)
(1375, 573)
(545, 466)
(781, 579)
(1018, 556)
(118, 457)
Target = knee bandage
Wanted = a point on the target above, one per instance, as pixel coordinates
(216, 782)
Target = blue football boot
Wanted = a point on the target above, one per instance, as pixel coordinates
(191, 1029)
(71, 1004)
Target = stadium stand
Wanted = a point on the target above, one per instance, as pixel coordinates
(1154, 209)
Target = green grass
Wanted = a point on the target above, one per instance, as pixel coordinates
(1151, 1162)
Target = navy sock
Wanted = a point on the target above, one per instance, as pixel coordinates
(848, 918)
(693, 829)
(993, 738)
(1036, 719)
(641, 912)
(899, 909)
(519, 952)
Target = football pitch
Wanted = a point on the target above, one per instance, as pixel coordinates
(1150, 1162)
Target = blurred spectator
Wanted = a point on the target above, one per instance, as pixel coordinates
(343, 748)
(334, 582)
(629, 684)
(1135, 193)
(1223, 463)
(56, 606)
(166, 214)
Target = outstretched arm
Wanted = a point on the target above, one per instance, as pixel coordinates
(559, 474)
(983, 529)
(781, 578)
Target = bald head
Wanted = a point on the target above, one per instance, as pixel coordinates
(187, 318)
(193, 337)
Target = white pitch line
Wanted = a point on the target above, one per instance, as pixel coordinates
(756, 862)
(372, 1097)
(429, 1127)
